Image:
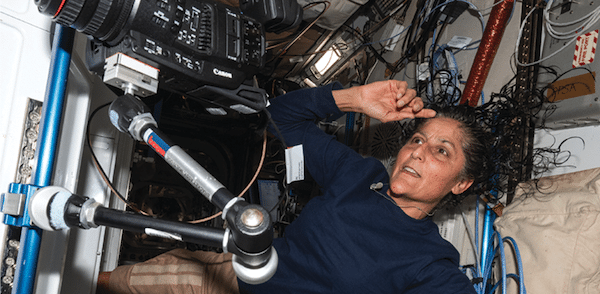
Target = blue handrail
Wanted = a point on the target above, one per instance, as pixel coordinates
(46, 151)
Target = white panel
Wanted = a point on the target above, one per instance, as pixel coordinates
(25, 52)
(25, 11)
(87, 247)
(9, 63)
(24, 67)
(583, 147)
(18, 7)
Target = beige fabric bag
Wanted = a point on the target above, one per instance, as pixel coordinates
(557, 233)
(178, 271)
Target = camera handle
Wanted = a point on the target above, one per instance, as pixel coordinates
(249, 234)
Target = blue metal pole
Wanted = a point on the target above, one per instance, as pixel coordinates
(46, 150)
(486, 241)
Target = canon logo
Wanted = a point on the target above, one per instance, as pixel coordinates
(222, 73)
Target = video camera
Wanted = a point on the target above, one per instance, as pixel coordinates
(201, 48)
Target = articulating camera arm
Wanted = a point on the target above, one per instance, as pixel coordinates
(249, 234)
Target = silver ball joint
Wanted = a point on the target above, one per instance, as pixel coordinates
(254, 268)
(252, 217)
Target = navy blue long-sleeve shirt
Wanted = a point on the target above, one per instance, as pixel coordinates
(351, 239)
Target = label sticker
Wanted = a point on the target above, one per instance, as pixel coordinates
(294, 163)
(156, 142)
(572, 87)
(585, 49)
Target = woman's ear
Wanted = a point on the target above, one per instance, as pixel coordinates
(462, 186)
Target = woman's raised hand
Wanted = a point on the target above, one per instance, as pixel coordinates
(385, 101)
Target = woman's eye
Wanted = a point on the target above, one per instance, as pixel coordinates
(443, 151)
(417, 140)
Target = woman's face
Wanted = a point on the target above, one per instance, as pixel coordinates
(429, 166)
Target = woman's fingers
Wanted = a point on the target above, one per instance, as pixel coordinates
(425, 113)
(406, 98)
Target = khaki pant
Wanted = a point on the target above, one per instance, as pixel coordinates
(177, 271)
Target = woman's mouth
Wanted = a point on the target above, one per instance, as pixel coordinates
(411, 171)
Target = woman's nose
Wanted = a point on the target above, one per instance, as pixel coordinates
(417, 153)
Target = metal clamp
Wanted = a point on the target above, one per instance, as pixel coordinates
(229, 205)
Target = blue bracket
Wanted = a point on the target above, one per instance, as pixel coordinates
(22, 219)
(15, 206)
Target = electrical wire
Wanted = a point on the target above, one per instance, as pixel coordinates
(363, 39)
(473, 7)
(467, 47)
(498, 115)
(390, 15)
(498, 252)
(132, 205)
(427, 20)
(583, 24)
(334, 47)
(442, 5)
(444, 74)
(520, 278)
(97, 163)
(345, 46)
(490, 8)
(299, 35)
(518, 43)
(260, 164)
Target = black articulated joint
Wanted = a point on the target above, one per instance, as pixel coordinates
(73, 210)
(250, 226)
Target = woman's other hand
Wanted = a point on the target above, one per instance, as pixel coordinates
(385, 101)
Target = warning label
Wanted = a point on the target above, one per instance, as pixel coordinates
(585, 49)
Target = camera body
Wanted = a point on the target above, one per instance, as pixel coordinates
(202, 49)
(192, 43)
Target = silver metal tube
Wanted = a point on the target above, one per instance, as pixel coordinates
(193, 172)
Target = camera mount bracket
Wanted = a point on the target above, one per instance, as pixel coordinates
(131, 75)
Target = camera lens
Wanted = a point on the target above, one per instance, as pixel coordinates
(102, 19)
